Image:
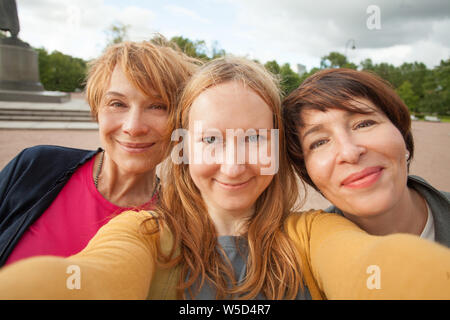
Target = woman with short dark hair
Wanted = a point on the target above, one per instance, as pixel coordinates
(349, 136)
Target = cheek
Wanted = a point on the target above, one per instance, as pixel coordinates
(107, 125)
(159, 124)
(320, 168)
(201, 174)
(389, 142)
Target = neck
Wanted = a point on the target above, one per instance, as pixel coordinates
(230, 222)
(122, 188)
(409, 215)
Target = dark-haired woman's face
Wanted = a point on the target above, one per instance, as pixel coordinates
(358, 161)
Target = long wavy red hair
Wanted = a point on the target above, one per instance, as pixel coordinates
(273, 263)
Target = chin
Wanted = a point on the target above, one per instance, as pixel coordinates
(232, 206)
(372, 207)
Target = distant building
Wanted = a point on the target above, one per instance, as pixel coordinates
(301, 69)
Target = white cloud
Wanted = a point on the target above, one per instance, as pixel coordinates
(79, 27)
(183, 12)
(297, 31)
(282, 30)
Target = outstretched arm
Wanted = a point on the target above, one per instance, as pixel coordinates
(118, 263)
(347, 263)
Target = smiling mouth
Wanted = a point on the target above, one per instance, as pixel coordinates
(234, 185)
(363, 178)
(136, 147)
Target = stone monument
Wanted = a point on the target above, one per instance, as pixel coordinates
(19, 68)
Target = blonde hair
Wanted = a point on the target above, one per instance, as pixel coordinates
(273, 264)
(151, 66)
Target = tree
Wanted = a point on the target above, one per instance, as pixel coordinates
(273, 67)
(117, 33)
(216, 52)
(60, 72)
(195, 49)
(290, 80)
(408, 95)
(336, 60)
(436, 88)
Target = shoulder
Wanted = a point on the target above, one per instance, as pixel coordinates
(129, 226)
(421, 182)
(46, 156)
(135, 219)
(316, 223)
(46, 151)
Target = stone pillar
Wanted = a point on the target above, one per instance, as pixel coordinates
(19, 69)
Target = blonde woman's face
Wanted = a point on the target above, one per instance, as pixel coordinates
(131, 125)
(224, 130)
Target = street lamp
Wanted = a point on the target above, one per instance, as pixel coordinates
(349, 42)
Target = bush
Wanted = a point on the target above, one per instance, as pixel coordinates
(60, 72)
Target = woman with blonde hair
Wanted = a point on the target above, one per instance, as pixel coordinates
(54, 199)
(224, 227)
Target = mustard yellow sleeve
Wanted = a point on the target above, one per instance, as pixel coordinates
(344, 262)
(118, 263)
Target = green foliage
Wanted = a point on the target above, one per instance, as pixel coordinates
(408, 95)
(336, 60)
(422, 89)
(60, 72)
(198, 48)
(116, 33)
(289, 80)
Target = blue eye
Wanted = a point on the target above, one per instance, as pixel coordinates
(253, 138)
(210, 140)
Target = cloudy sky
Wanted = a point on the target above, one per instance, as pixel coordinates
(292, 31)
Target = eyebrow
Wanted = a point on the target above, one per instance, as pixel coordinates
(312, 130)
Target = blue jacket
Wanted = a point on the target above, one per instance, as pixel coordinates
(439, 203)
(29, 184)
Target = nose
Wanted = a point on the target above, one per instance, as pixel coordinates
(232, 170)
(134, 123)
(349, 150)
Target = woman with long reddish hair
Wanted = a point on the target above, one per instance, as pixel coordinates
(224, 226)
(349, 136)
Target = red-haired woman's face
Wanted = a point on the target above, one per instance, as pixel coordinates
(358, 161)
(227, 184)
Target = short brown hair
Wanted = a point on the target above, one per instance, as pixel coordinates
(337, 89)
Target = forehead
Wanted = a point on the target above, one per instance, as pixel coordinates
(358, 106)
(231, 105)
(119, 82)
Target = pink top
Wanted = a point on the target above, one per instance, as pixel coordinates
(72, 219)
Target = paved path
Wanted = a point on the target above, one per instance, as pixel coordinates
(432, 156)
